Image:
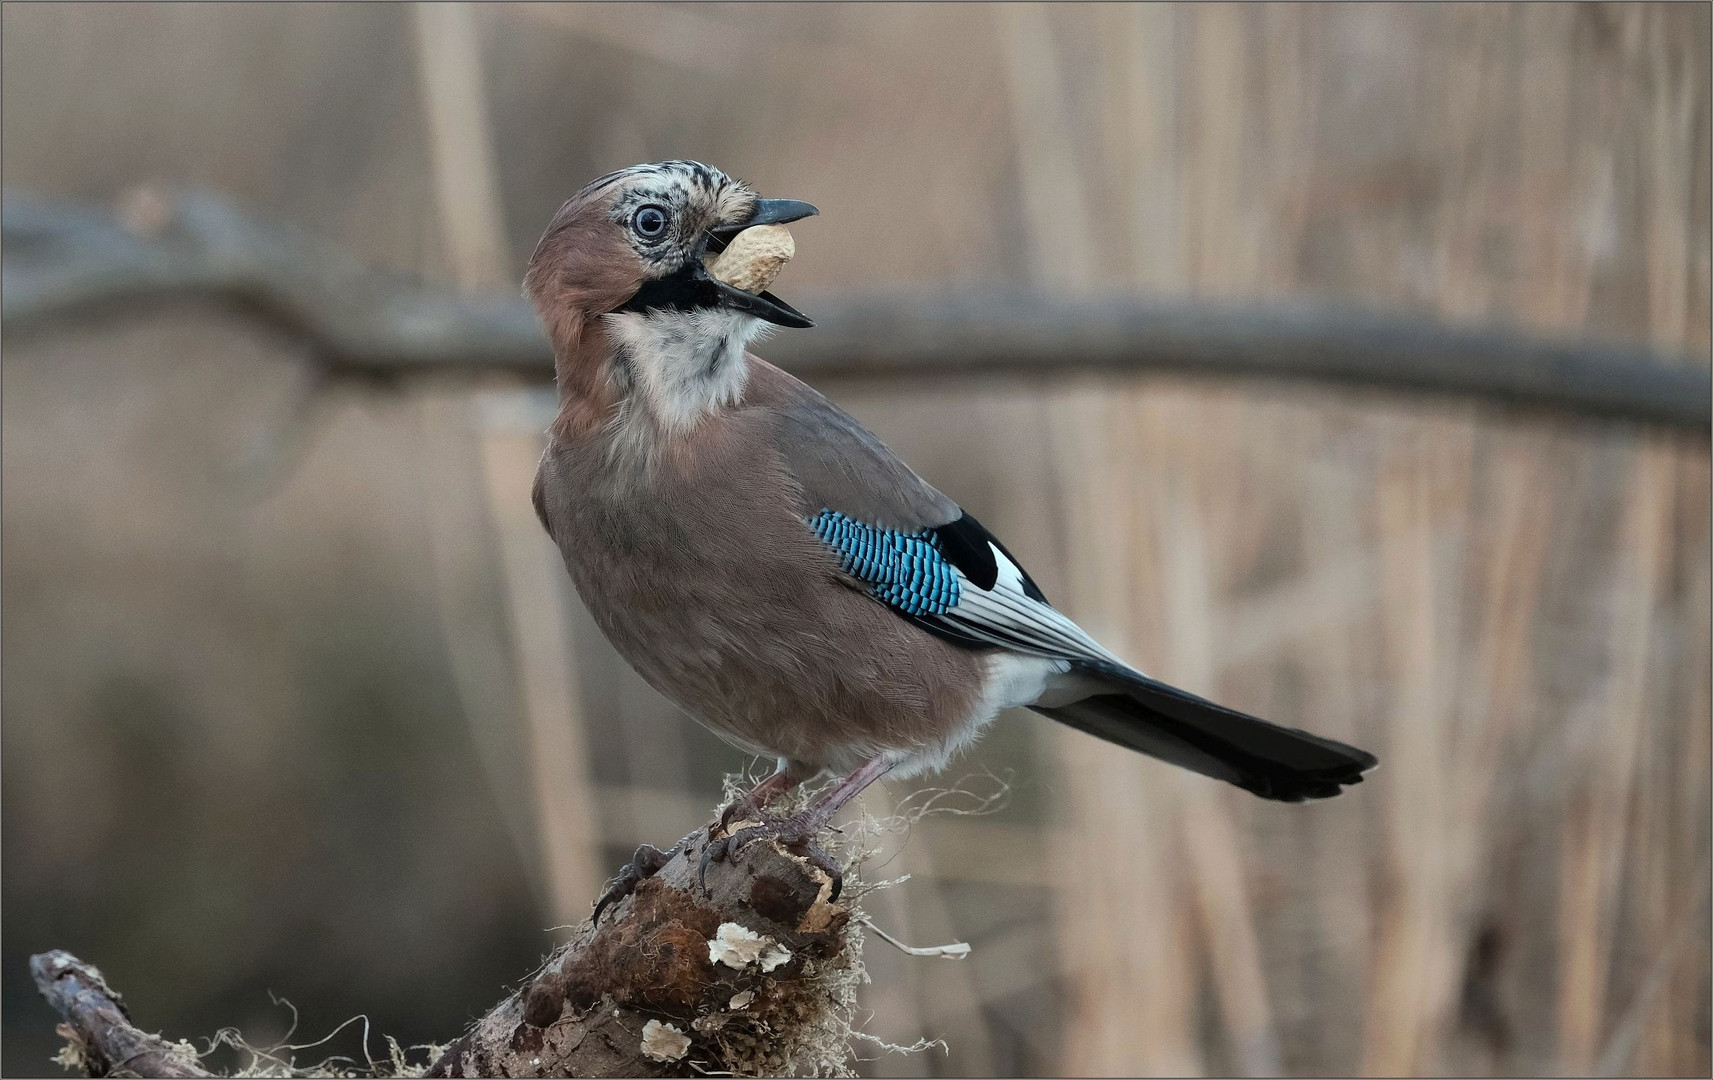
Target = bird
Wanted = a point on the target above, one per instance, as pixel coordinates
(763, 560)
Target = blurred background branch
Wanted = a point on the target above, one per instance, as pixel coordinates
(64, 262)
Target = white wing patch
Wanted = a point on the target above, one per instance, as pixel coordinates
(1008, 617)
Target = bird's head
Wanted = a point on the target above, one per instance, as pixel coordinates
(621, 265)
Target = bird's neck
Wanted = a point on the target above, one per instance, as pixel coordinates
(672, 368)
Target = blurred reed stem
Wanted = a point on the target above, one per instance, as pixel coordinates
(472, 222)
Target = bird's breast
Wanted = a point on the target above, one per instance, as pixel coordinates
(685, 559)
(704, 575)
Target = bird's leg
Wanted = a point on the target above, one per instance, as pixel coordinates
(816, 817)
(782, 780)
(797, 831)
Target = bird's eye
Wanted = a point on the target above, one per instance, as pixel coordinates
(649, 222)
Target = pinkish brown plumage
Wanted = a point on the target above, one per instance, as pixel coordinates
(730, 606)
(767, 564)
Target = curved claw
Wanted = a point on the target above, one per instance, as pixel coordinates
(743, 838)
(644, 864)
(715, 849)
(618, 890)
(725, 847)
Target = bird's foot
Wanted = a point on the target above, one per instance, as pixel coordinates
(795, 834)
(643, 865)
(739, 809)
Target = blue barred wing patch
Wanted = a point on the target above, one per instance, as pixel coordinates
(907, 571)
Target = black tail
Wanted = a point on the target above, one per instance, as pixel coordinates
(1162, 721)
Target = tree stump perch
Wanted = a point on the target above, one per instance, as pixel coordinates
(750, 971)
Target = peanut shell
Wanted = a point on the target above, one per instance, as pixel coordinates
(754, 258)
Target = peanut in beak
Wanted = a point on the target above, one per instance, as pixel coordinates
(754, 258)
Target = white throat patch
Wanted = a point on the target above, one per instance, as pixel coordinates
(685, 363)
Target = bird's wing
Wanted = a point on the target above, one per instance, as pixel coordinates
(913, 548)
(838, 462)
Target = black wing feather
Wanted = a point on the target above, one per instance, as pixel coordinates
(965, 542)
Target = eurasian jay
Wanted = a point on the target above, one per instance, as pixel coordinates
(767, 564)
